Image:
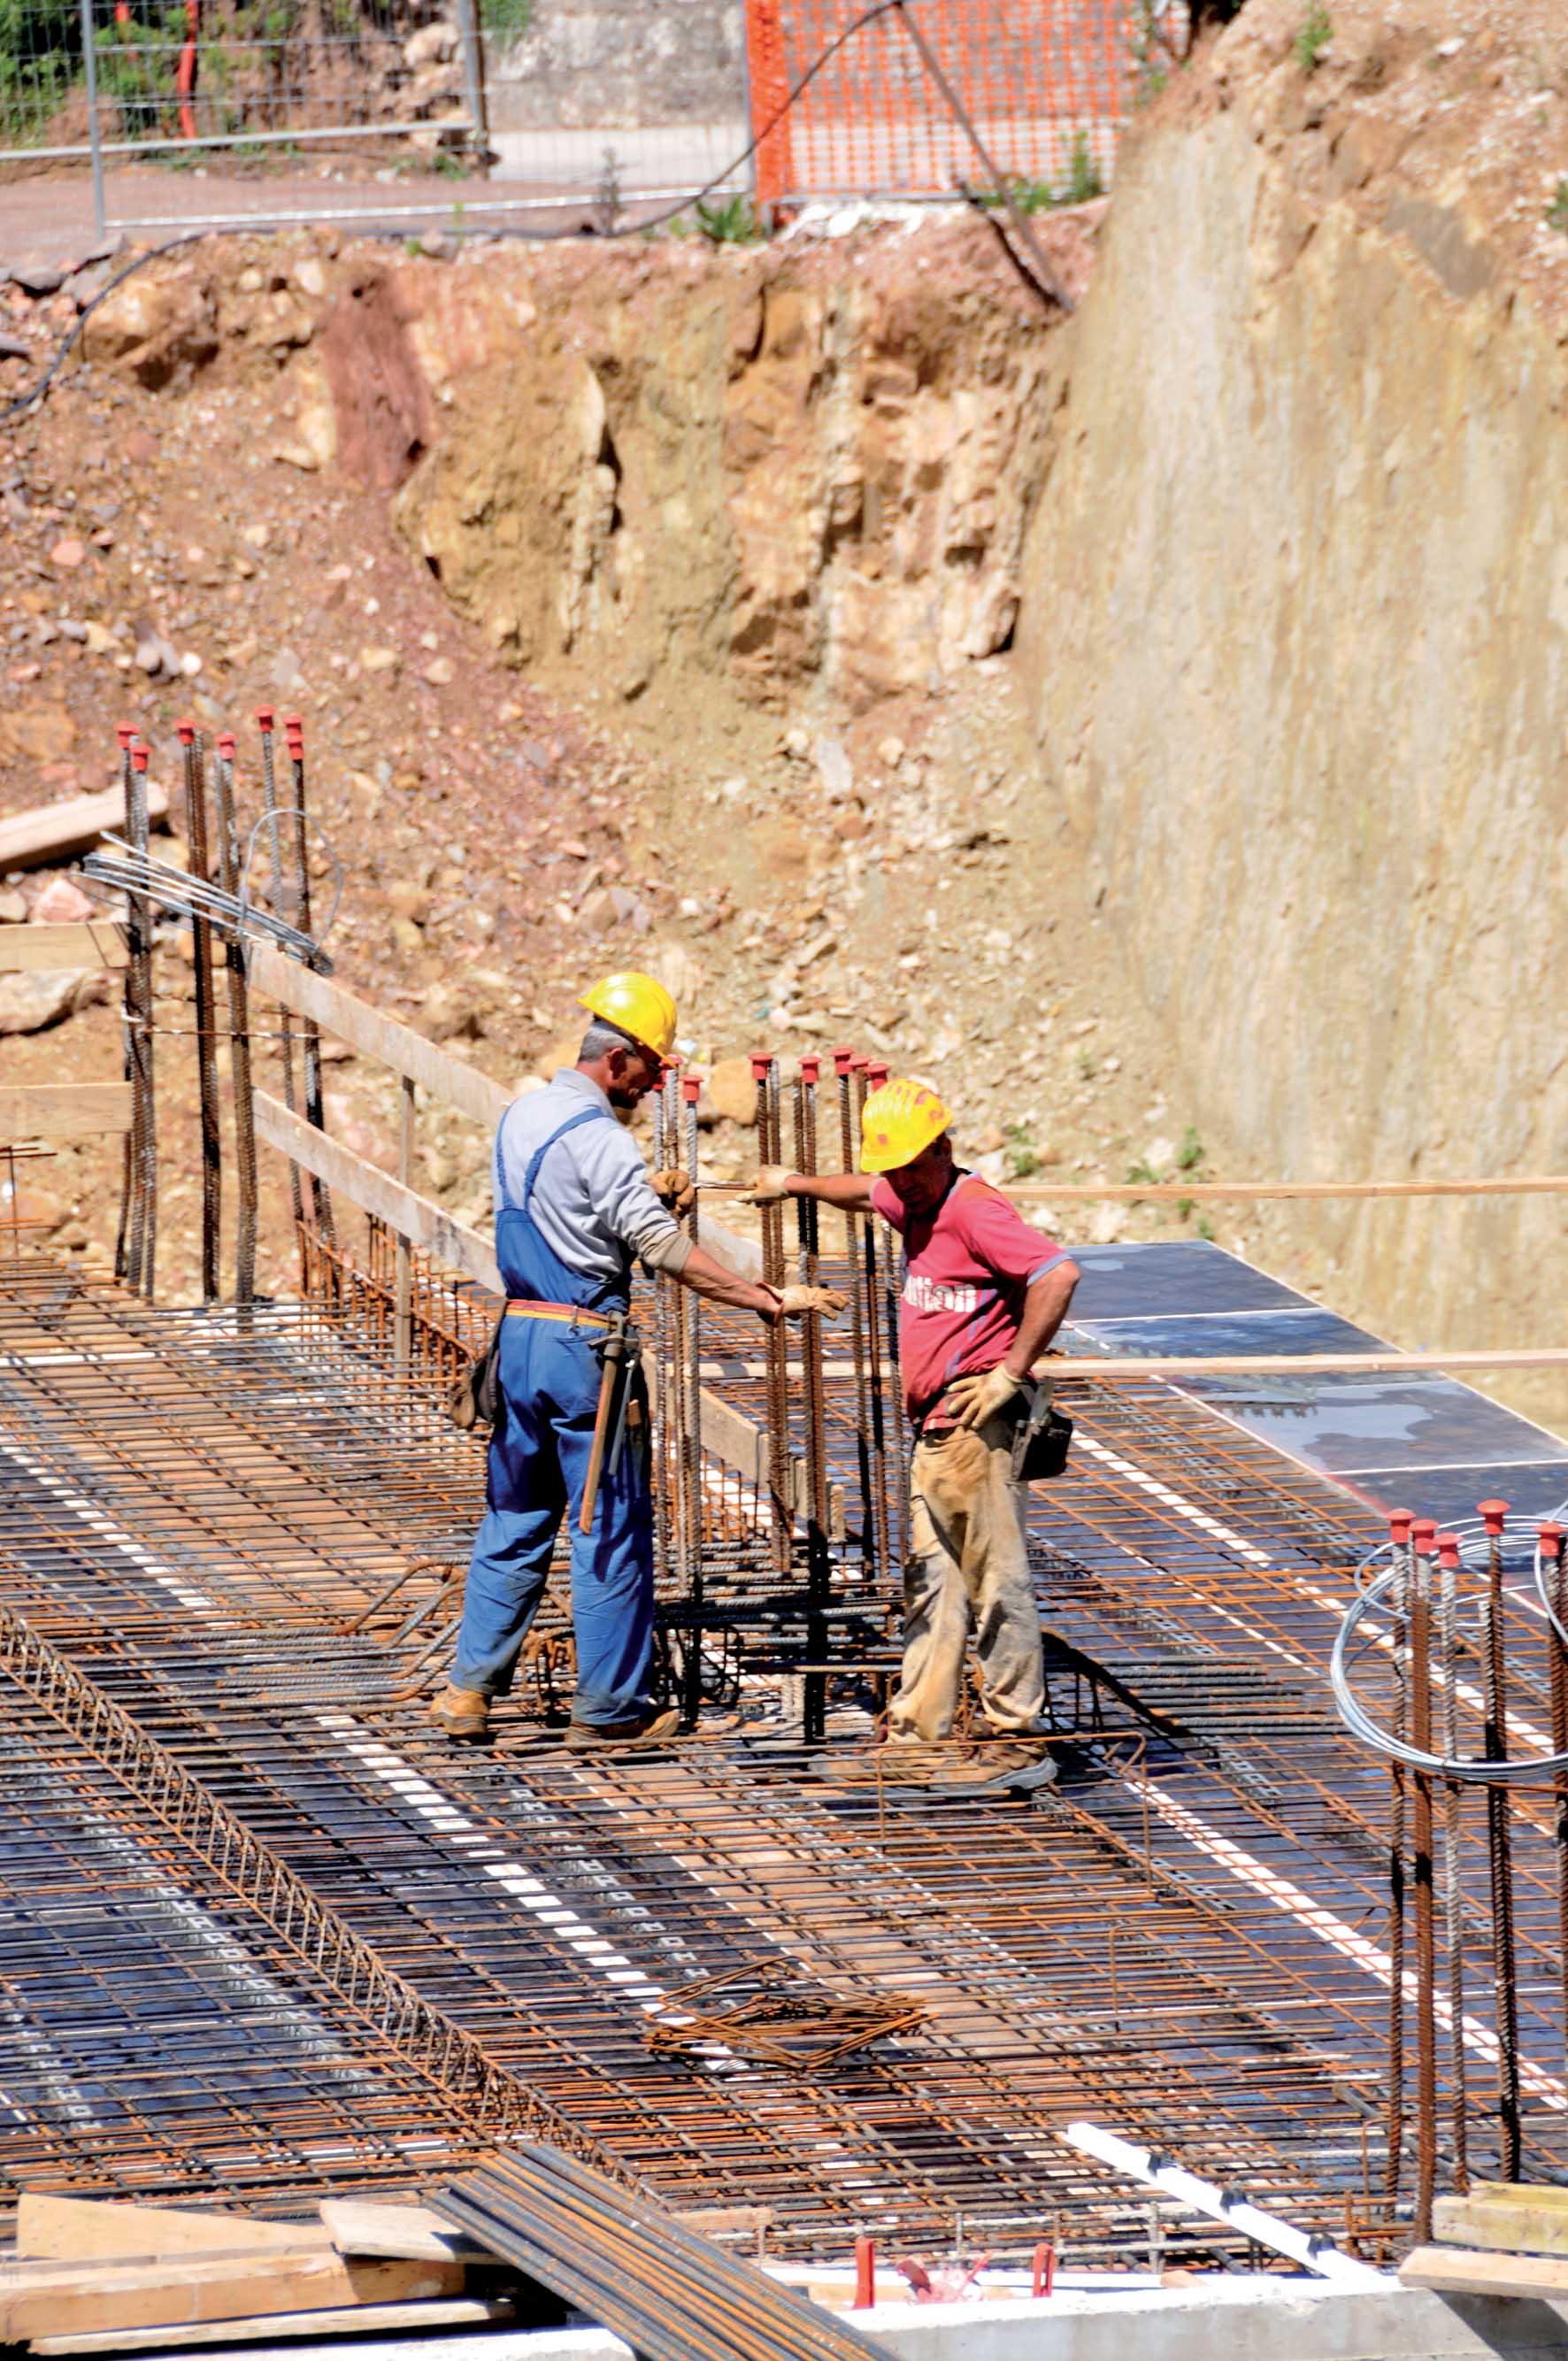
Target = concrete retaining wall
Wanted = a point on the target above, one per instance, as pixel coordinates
(594, 63)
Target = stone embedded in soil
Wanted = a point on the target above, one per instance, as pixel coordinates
(61, 904)
(32, 1003)
(67, 552)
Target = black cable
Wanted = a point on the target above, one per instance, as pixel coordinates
(35, 393)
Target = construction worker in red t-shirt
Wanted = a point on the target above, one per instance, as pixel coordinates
(983, 1294)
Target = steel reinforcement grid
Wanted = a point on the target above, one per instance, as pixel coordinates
(267, 1934)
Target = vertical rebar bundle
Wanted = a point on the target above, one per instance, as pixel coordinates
(294, 735)
(283, 901)
(691, 1431)
(872, 1539)
(195, 785)
(141, 1247)
(1453, 1864)
(1555, 1567)
(1424, 1537)
(1499, 1847)
(871, 1317)
(1399, 1533)
(817, 1563)
(239, 1032)
(764, 1074)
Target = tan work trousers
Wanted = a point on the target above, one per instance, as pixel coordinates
(968, 1563)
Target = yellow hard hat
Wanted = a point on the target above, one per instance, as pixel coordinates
(897, 1122)
(638, 1006)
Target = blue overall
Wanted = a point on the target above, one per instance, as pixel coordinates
(550, 1377)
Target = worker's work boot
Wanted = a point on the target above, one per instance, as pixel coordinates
(649, 1729)
(463, 1715)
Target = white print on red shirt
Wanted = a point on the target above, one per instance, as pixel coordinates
(923, 1294)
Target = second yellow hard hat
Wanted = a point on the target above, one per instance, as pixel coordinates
(898, 1122)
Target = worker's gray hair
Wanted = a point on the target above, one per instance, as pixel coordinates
(601, 1037)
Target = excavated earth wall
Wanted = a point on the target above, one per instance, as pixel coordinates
(1295, 629)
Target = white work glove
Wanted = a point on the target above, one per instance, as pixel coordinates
(673, 1186)
(829, 1302)
(976, 1398)
(771, 1186)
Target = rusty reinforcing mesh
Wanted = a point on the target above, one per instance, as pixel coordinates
(1042, 81)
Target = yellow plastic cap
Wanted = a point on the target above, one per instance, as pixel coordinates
(639, 1005)
(897, 1123)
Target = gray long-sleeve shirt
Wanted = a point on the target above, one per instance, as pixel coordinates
(591, 1201)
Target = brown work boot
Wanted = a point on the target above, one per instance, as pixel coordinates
(649, 1729)
(463, 1715)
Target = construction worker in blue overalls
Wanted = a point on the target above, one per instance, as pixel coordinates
(575, 1208)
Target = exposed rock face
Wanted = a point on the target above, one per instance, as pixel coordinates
(161, 327)
(796, 464)
(1296, 631)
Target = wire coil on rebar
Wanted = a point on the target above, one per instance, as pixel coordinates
(1373, 1591)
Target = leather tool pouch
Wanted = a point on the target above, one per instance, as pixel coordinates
(476, 1398)
(1040, 1443)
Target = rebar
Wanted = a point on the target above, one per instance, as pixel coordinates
(1500, 1849)
(1551, 1542)
(1424, 1537)
(195, 765)
(1453, 1869)
(764, 1074)
(691, 1427)
(873, 1541)
(295, 732)
(285, 897)
(240, 1031)
(819, 1565)
(1399, 1528)
(142, 1252)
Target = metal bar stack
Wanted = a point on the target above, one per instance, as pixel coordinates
(194, 752)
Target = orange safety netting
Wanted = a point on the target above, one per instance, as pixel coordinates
(1038, 79)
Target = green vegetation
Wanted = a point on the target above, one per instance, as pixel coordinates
(1557, 211)
(505, 20)
(1312, 40)
(734, 223)
(1083, 180)
(1205, 1228)
(1022, 1157)
(40, 53)
(1190, 1155)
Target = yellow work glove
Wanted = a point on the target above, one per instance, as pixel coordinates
(828, 1301)
(976, 1398)
(673, 1187)
(771, 1186)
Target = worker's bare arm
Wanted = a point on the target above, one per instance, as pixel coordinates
(1044, 1309)
(709, 1279)
(851, 1191)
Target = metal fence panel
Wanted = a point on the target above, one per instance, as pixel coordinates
(1046, 85)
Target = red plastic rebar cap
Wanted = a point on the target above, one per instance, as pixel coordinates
(225, 745)
(860, 1062)
(185, 731)
(140, 757)
(1551, 1539)
(1492, 1513)
(294, 723)
(811, 1071)
(1399, 1523)
(691, 1088)
(877, 1072)
(1423, 1534)
(1448, 1549)
(762, 1060)
(264, 716)
(842, 1060)
(124, 731)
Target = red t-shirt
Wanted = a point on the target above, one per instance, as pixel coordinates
(967, 1268)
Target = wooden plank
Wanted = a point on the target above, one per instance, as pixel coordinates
(62, 1110)
(1133, 1192)
(398, 1046)
(453, 2311)
(89, 2229)
(357, 2226)
(1291, 1364)
(98, 942)
(1518, 2226)
(55, 2299)
(404, 1211)
(1518, 2193)
(57, 833)
(1464, 2270)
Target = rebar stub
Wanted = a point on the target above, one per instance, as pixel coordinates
(1493, 1514)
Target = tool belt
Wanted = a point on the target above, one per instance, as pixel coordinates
(1041, 1434)
(476, 1398)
